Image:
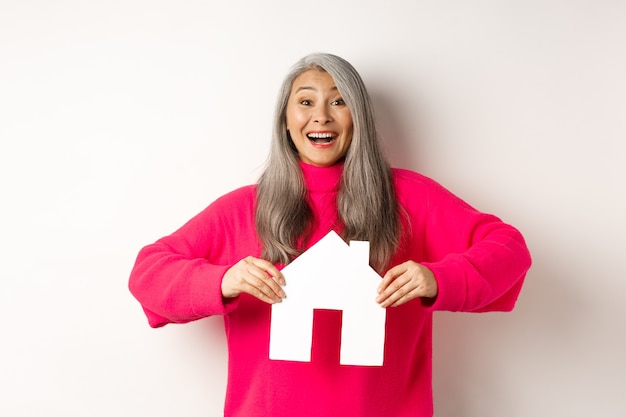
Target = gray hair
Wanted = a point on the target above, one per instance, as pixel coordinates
(366, 201)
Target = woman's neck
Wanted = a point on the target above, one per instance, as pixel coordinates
(322, 178)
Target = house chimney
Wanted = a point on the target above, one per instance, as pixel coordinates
(360, 252)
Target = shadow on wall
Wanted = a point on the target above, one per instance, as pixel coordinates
(400, 145)
(478, 356)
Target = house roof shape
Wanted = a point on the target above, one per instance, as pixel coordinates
(335, 276)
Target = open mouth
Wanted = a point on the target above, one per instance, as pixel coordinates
(321, 138)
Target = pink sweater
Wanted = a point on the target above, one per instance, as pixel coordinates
(478, 261)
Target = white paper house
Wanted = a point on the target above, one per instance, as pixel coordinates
(330, 275)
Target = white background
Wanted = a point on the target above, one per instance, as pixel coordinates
(120, 120)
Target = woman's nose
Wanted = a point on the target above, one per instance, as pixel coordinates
(322, 114)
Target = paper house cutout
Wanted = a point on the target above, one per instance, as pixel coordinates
(330, 275)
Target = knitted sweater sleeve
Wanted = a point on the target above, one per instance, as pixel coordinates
(479, 261)
(178, 278)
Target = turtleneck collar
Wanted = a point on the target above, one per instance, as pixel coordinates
(322, 178)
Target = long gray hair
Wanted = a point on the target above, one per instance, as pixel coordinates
(366, 200)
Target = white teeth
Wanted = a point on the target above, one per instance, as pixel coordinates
(321, 135)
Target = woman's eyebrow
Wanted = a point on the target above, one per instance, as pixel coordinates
(306, 87)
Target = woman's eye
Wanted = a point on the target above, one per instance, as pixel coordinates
(305, 102)
(338, 102)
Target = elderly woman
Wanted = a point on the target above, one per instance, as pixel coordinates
(326, 172)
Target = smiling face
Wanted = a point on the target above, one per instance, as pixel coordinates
(318, 120)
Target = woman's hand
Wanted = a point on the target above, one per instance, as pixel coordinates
(405, 282)
(256, 277)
